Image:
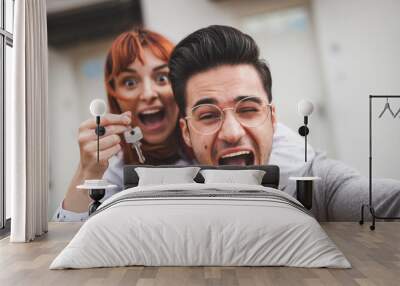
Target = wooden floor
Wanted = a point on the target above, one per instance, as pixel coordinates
(374, 255)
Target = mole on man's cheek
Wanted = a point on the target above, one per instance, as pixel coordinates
(205, 147)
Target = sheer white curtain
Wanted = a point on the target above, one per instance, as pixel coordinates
(26, 117)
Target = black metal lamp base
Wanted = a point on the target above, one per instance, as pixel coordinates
(96, 195)
(304, 190)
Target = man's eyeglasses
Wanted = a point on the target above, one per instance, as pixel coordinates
(250, 111)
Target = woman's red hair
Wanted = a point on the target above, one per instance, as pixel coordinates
(126, 49)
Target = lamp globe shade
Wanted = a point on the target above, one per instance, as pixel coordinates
(305, 107)
(98, 107)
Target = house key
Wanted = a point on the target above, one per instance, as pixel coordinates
(133, 137)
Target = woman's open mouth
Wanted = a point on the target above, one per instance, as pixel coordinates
(152, 119)
(241, 158)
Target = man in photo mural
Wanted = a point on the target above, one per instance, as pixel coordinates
(223, 91)
(139, 95)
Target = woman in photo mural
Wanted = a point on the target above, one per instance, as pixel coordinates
(139, 94)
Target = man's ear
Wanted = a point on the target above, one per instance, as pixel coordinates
(274, 120)
(185, 132)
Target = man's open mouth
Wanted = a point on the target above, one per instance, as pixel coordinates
(152, 117)
(241, 158)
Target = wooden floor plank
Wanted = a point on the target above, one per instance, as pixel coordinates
(374, 255)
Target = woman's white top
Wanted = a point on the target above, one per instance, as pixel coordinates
(287, 152)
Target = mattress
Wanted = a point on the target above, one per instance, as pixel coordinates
(201, 225)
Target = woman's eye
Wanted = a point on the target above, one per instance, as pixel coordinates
(162, 79)
(130, 83)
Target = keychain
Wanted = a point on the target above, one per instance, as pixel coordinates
(133, 137)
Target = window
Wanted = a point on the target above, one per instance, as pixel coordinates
(6, 62)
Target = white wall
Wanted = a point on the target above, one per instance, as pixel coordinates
(291, 52)
(356, 53)
(359, 44)
(178, 18)
(63, 111)
(75, 78)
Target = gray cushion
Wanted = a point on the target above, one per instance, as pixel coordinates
(270, 179)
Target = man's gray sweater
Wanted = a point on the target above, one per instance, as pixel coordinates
(339, 194)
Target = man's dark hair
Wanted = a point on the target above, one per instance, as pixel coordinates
(211, 47)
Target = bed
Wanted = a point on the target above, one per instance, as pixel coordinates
(201, 224)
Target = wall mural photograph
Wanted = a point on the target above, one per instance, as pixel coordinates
(204, 96)
(216, 133)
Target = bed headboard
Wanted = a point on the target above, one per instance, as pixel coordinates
(270, 179)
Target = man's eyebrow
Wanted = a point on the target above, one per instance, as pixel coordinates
(160, 67)
(209, 100)
(249, 97)
(206, 100)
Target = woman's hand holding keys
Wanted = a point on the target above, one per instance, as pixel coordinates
(109, 143)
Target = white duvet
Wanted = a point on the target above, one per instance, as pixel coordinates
(201, 224)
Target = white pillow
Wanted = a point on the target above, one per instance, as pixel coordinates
(162, 176)
(248, 177)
